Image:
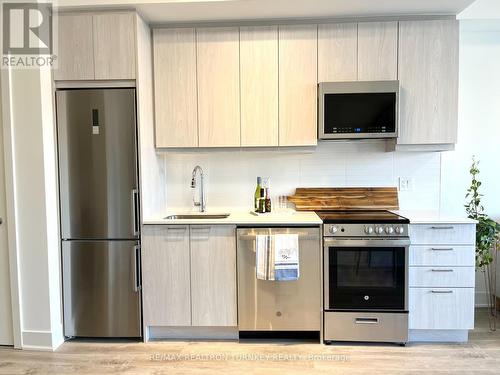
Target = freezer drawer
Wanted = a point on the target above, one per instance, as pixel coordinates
(101, 288)
(265, 305)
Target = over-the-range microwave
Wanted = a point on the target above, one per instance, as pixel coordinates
(361, 109)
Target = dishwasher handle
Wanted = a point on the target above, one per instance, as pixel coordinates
(303, 233)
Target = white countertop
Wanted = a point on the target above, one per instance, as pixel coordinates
(429, 217)
(290, 217)
(244, 217)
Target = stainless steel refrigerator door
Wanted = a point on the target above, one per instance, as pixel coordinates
(265, 305)
(101, 288)
(97, 163)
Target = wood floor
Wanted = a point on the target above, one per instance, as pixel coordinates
(480, 356)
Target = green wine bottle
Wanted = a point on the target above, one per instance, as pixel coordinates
(257, 194)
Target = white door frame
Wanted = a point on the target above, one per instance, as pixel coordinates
(10, 219)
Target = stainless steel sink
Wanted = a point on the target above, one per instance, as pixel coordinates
(196, 216)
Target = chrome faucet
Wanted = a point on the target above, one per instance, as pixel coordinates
(201, 203)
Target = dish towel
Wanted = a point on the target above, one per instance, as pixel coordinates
(277, 257)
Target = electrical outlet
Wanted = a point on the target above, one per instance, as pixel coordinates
(406, 184)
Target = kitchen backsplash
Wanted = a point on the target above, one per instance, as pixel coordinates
(230, 175)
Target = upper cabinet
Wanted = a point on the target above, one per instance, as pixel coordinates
(259, 85)
(298, 85)
(114, 46)
(218, 71)
(176, 114)
(75, 51)
(377, 51)
(96, 46)
(428, 75)
(337, 52)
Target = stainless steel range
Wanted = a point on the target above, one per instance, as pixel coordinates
(365, 276)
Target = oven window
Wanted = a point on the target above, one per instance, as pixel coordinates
(366, 278)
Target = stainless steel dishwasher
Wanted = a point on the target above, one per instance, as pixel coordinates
(265, 305)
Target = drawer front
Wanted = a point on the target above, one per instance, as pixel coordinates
(436, 277)
(451, 234)
(441, 308)
(439, 255)
(366, 326)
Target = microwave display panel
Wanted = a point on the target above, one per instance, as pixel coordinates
(358, 113)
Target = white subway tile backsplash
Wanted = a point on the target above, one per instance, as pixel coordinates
(230, 175)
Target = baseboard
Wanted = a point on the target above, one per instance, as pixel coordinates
(480, 298)
(439, 335)
(191, 333)
(40, 340)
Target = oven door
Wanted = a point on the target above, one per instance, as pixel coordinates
(366, 274)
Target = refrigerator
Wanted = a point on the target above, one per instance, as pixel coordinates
(99, 210)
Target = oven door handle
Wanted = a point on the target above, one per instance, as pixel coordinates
(368, 242)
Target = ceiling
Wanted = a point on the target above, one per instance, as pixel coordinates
(168, 11)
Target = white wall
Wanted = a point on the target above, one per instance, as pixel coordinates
(479, 125)
(6, 326)
(33, 209)
(231, 174)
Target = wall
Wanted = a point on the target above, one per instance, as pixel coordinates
(6, 327)
(32, 207)
(479, 124)
(231, 174)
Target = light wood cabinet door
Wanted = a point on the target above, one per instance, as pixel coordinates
(441, 308)
(75, 50)
(298, 74)
(428, 75)
(213, 276)
(259, 85)
(218, 69)
(176, 116)
(166, 275)
(377, 51)
(443, 234)
(337, 52)
(114, 45)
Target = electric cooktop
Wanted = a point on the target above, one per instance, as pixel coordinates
(361, 217)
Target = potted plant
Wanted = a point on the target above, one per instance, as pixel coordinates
(487, 238)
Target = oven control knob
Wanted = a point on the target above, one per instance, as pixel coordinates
(333, 229)
(389, 230)
(379, 230)
(368, 230)
(400, 230)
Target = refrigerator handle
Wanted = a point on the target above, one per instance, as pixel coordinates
(135, 212)
(137, 268)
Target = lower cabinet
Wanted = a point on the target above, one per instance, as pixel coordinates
(441, 281)
(213, 276)
(189, 276)
(442, 308)
(166, 275)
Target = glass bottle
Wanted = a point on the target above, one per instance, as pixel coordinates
(257, 194)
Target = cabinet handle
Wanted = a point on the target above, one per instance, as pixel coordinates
(200, 233)
(434, 227)
(441, 270)
(197, 228)
(442, 248)
(441, 291)
(183, 229)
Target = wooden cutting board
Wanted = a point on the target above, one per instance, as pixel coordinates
(311, 199)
